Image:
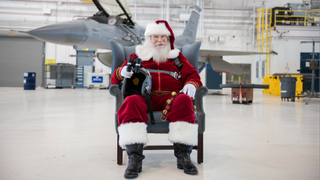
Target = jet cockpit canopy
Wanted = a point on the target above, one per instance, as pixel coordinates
(113, 8)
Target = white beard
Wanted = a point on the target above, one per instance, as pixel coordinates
(159, 55)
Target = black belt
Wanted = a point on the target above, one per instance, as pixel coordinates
(149, 107)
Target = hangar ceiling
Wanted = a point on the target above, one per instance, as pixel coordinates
(216, 15)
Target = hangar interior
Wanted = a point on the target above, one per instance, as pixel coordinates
(68, 132)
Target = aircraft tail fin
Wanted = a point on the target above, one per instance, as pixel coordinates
(190, 31)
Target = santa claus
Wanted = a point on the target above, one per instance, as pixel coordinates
(158, 53)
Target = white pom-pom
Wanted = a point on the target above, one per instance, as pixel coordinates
(174, 53)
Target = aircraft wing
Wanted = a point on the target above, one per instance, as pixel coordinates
(213, 57)
(219, 65)
(105, 58)
(218, 53)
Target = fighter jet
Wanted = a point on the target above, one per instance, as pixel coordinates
(113, 21)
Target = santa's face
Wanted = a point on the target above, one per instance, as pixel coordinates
(159, 40)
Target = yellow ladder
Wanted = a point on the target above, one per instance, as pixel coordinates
(263, 40)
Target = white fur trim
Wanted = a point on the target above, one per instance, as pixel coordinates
(174, 53)
(154, 28)
(132, 133)
(184, 133)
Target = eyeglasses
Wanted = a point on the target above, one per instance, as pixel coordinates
(157, 37)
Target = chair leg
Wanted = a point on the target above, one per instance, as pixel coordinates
(199, 154)
(119, 152)
(200, 148)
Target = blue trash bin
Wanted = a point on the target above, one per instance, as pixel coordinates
(29, 81)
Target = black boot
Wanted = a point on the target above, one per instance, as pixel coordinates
(182, 152)
(135, 156)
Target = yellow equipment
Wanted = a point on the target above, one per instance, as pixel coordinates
(275, 84)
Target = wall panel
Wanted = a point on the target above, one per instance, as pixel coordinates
(19, 55)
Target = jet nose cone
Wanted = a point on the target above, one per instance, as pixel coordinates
(67, 33)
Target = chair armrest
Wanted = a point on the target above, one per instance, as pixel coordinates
(115, 91)
(200, 115)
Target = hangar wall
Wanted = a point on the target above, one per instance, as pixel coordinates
(232, 22)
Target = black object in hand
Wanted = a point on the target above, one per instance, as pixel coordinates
(129, 64)
(137, 65)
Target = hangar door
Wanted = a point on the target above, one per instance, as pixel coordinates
(19, 55)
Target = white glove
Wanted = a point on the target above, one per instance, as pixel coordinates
(126, 74)
(189, 89)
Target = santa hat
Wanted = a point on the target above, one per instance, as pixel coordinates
(159, 27)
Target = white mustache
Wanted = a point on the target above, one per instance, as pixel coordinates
(160, 43)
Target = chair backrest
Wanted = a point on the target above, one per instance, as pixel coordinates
(190, 51)
(120, 53)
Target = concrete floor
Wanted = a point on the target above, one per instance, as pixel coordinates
(61, 134)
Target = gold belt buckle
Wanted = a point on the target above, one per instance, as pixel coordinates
(163, 119)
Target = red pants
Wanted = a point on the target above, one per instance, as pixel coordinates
(135, 108)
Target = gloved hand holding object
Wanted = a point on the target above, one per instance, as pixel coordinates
(127, 72)
(124, 73)
(189, 89)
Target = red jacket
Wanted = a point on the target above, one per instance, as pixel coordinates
(163, 83)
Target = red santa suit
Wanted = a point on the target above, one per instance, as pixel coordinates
(132, 115)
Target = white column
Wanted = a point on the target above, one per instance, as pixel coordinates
(168, 10)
